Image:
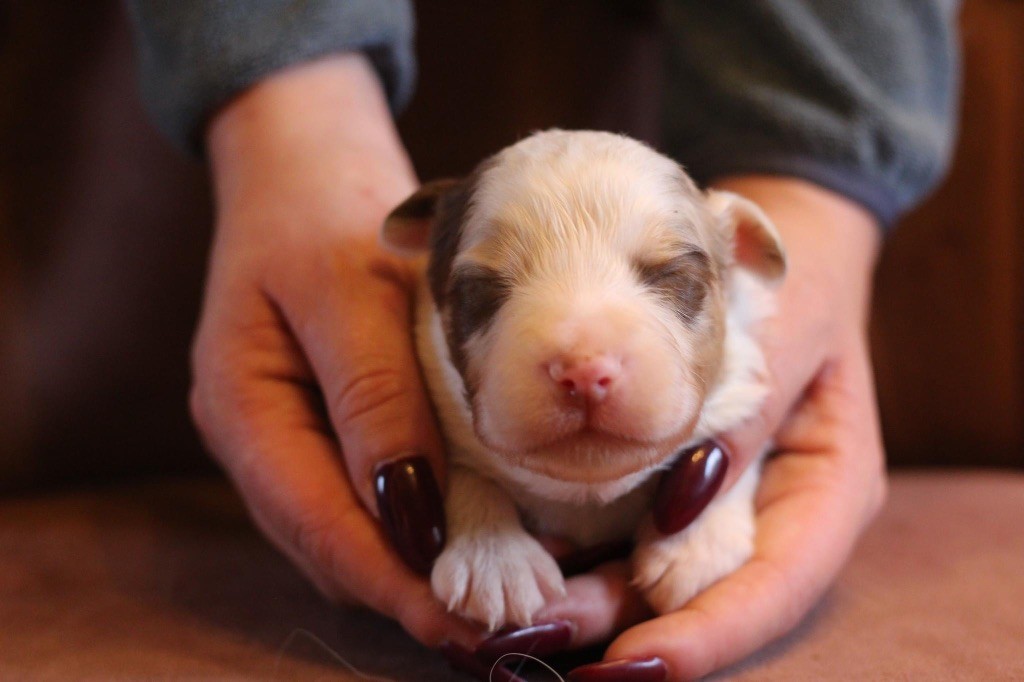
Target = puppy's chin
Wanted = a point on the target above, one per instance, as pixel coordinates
(593, 458)
(577, 471)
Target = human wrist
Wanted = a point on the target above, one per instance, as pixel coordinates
(316, 136)
(832, 242)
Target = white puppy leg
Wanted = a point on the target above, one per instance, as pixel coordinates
(671, 570)
(491, 569)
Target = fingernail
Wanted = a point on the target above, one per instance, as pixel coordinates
(623, 670)
(538, 640)
(461, 658)
(689, 486)
(411, 510)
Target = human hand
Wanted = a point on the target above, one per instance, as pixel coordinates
(305, 380)
(816, 495)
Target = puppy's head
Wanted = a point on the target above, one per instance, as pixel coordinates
(582, 280)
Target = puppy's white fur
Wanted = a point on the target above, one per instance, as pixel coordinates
(566, 252)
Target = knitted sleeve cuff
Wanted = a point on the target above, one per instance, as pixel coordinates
(194, 55)
(860, 98)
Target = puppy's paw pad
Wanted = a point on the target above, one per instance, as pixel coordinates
(496, 579)
(671, 571)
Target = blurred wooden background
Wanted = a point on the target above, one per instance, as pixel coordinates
(103, 227)
(948, 328)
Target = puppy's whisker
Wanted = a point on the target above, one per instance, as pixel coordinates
(302, 632)
(526, 657)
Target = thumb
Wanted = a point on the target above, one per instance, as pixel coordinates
(361, 350)
(748, 441)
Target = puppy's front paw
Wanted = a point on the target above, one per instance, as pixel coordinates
(496, 578)
(671, 570)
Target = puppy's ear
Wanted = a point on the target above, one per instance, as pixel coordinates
(408, 228)
(756, 244)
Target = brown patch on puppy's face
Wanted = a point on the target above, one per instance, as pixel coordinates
(682, 280)
(433, 218)
(475, 295)
(468, 297)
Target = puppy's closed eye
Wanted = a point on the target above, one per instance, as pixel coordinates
(682, 281)
(476, 294)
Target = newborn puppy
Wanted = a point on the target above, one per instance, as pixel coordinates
(585, 313)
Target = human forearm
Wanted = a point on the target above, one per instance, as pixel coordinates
(318, 132)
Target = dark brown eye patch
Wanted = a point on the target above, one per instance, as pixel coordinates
(682, 281)
(476, 294)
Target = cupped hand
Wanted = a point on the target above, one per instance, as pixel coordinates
(818, 492)
(306, 387)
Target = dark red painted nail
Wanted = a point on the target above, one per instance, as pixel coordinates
(624, 670)
(689, 486)
(463, 659)
(537, 640)
(411, 510)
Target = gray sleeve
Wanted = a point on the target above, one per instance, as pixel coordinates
(859, 96)
(193, 55)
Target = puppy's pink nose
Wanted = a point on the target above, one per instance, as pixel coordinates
(590, 377)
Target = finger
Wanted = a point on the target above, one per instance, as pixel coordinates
(812, 506)
(287, 468)
(789, 369)
(361, 349)
(253, 402)
(712, 467)
(818, 292)
(600, 604)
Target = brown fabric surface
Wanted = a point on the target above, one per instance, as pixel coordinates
(934, 591)
(169, 581)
